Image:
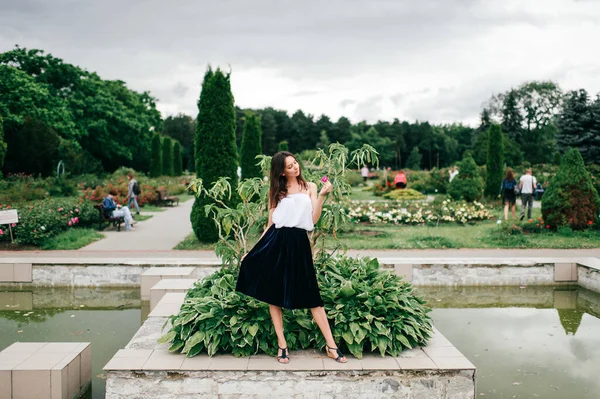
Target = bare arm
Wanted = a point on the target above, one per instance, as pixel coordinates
(318, 200)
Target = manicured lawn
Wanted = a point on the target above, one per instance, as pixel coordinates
(192, 243)
(72, 239)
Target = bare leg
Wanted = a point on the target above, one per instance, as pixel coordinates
(277, 318)
(514, 209)
(506, 211)
(321, 319)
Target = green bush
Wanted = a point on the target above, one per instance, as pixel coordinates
(3, 146)
(369, 310)
(404, 194)
(571, 199)
(283, 146)
(43, 219)
(468, 184)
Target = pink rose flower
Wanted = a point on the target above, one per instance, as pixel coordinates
(70, 223)
(1, 232)
(325, 179)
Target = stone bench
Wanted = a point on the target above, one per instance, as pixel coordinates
(164, 286)
(153, 275)
(169, 305)
(45, 370)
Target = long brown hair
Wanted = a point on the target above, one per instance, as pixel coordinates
(278, 182)
(510, 176)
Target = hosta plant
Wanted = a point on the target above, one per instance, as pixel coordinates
(369, 310)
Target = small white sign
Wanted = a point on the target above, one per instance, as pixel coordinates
(9, 216)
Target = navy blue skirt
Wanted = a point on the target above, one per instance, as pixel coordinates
(279, 270)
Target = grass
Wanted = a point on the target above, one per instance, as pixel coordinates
(72, 239)
(141, 217)
(153, 208)
(480, 235)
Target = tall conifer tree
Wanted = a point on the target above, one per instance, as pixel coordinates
(215, 148)
(495, 161)
(167, 156)
(251, 147)
(156, 157)
(177, 159)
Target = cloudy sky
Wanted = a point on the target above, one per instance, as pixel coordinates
(436, 60)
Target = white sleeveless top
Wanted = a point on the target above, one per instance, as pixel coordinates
(295, 210)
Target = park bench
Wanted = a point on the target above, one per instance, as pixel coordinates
(103, 217)
(163, 198)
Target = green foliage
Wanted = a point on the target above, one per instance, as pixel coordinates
(105, 119)
(495, 161)
(32, 137)
(283, 146)
(369, 309)
(468, 184)
(571, 199)
(156, 166)
(167, 156)
(251, 147)
(46, 218)
(3, 146)
(215, 147)
(177, 159)
(404, 194)
(579, 125)
(414, 160)
(181, 129)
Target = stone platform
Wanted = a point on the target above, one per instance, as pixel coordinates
(45, 370)
(145, 369)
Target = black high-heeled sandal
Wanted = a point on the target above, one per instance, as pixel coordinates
(339, 354)
(283, 357)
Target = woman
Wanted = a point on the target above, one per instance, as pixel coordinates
(507, 191)
(279, 269)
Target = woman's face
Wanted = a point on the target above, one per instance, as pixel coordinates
(292, 169)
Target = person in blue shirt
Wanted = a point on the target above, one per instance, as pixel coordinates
(112, 209)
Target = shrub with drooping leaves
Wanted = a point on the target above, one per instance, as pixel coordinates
(370, 310)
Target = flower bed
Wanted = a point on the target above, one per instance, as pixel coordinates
(417, 213)
(40, 220)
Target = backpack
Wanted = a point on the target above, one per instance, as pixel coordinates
(136, 188)
(508, 185)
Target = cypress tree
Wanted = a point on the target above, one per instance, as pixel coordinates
(495, 160)
(214, 143)
(571, 199)
(468, 184)
(167, 156)
(177, 159)
(251, 147)
(414, 159)
(283, 146)
(3, 146)
(156, 158)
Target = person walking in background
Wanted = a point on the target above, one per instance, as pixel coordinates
(133, 190)
(453, 173)
(507, 191)
(364, 172)
(400, 180)
(112, 209)
(527, 184)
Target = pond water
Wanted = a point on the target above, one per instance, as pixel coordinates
(107, 318)
(530, 342)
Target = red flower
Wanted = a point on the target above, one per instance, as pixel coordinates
(547, 226)
(590, 222)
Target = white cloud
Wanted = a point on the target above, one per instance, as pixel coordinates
(435, 60)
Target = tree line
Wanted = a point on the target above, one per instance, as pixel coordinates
(52, 110)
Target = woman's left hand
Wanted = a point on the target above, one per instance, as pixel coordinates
(326, 189)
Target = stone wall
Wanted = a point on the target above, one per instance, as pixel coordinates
(291, 384)
(589, 278)
(461, 274)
